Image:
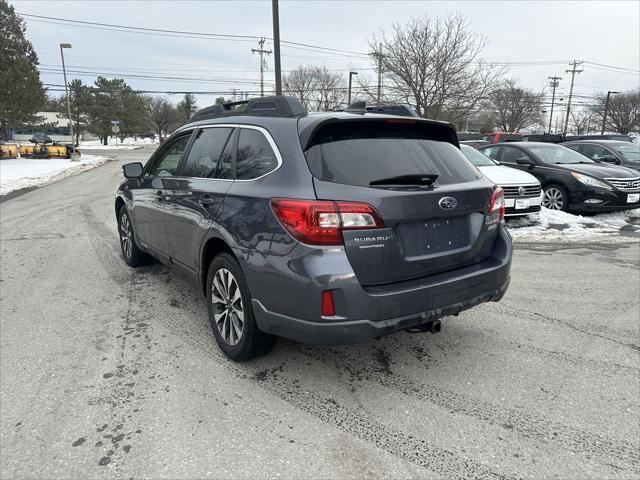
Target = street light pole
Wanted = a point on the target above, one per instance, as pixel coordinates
(66, 91)
(351, 74)
(606, 110)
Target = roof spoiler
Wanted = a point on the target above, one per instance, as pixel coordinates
(275, 106)
(362, 108)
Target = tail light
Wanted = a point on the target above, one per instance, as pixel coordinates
(497, 202)
(321, 222)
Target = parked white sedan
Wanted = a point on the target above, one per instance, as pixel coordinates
(522, 190)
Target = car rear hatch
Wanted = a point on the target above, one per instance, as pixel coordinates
(432, 201)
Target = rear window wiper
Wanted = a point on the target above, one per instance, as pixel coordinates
(414, 179)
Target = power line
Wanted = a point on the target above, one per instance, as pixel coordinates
(219, 36)
(85, 73)
(613, 66)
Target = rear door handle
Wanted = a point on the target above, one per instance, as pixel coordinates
(206, 200)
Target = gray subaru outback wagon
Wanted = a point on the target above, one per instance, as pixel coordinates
(331, 228)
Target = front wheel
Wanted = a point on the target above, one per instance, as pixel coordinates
(133, 256)
(230, 312)
(555, 197)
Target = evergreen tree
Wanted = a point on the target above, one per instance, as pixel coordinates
(187, 106)
(80, 100)
(114, 100)
(21, 92)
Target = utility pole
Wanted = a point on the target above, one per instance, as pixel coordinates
(276, 45)
(573, 72)
(378, 56)
(606, 110)
(555, 81)
(351, 74)
(263, 62)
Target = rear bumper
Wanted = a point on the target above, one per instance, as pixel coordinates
(357, 331)
(381, 310)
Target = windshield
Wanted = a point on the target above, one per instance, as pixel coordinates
(554, 154)
(479, 159)
(363, 152)
(629, 151)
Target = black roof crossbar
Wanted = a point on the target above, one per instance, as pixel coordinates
(281, 106)
(361, 108)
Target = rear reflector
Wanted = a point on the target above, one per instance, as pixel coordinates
(328, 309)
(497, 202)
(320, 222)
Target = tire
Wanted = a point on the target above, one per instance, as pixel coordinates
(555, 197)
(132, 255)
(230, 312)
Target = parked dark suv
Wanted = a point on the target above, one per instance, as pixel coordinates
(332, 227)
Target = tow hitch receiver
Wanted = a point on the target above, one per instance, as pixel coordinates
(434, 327)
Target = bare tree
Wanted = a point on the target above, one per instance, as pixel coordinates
(161, 114)
(434, 66)
(515, 107)
(301, 83)
(582, 121)
(316, 87)
(331, 92)
(623, 114)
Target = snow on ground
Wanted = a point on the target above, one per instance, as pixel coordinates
(129, 143)
(20, 173)
(552, 225)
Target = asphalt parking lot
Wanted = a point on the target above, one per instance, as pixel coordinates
(109, 372)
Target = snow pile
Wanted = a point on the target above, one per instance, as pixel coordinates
(20, 173)
(128, 143)
(561, 226)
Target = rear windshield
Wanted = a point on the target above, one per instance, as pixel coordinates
(359, 153)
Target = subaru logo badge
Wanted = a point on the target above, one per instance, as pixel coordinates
(448, 203)
(521, 191)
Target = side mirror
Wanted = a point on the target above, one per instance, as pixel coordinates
(132, 170)
(524, 160)
(610, 159)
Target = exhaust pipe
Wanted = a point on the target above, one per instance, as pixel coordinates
(434, 327)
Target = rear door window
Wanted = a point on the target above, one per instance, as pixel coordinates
(255, 156)
(358, 153)
(206, 153)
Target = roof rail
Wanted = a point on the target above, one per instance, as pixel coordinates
(361, 108)
(275, 106)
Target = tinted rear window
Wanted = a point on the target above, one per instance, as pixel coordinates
(359, 153)
(469, 136)
(510, 137)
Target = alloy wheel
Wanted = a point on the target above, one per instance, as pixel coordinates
(553, 198)
(126, 237)
(227, 305)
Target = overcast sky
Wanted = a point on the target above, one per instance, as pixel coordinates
(551, 34)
